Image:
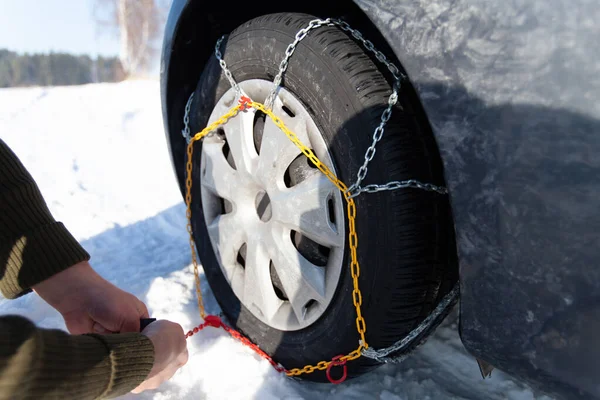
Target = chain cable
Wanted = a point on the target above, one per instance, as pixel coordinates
(245, 103)
(186, 132)
(397, 76)
(289, 51)
(224, 67)
(395, 185)
(410, 340)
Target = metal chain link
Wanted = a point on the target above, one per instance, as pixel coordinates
(223, 65)
(415, 337)
(302, 33)
(377, 135)
(186, 132)
(395, 185)
(371, 47)
(355, 189)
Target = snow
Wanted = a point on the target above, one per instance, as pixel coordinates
(99, 155)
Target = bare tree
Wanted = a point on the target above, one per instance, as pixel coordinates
(139, 24)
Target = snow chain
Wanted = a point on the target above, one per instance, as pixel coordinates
(245, 103)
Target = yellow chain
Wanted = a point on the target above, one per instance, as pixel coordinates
(361, 325)
(188, 197)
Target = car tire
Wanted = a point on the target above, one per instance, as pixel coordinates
(405, 236)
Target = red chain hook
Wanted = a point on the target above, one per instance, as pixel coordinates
(336, 363)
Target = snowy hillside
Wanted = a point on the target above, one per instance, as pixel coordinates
(99, 155)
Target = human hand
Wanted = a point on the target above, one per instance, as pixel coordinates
(170, 353)
(89, 303)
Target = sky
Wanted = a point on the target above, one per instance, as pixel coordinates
(54, 25)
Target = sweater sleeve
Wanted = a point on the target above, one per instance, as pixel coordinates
(33, 246)
(50, 364)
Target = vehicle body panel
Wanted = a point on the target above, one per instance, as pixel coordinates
(512, 92)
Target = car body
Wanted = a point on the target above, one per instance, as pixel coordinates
(512, 94)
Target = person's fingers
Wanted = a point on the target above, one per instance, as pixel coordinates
(184, 357)
(143, 310)
(170, 353)
(130, 324)
(98, 328)
(108, 314)
(77, 325)
(164, 375)
(157, 380)
(138, 390)
(167, 374)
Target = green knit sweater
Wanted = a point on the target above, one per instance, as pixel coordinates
(50, 364)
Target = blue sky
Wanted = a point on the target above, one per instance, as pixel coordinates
(53, 25)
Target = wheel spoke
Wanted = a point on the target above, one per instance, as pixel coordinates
(224, 105)
(304, 208)
(258, 288)
(219, 177)
(226, 233)
(276, 153)
(239, 133)
(301, 280)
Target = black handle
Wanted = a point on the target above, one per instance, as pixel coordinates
(144, 322)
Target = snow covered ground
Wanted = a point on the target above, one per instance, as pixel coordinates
(99, 155)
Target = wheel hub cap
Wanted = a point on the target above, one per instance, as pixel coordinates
(275, 222)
